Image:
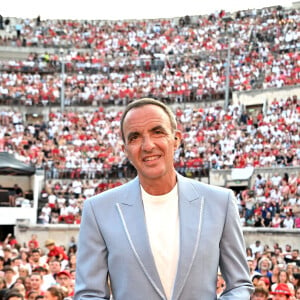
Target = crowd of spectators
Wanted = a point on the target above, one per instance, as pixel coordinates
(175, 60)
(87, 144)
(269, 203)
(113, 62)
(274, 270)
(272, 202)
(86, 147)
(34, 269)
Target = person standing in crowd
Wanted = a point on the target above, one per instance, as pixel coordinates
(21, 288)
(282, 292)
(264, 267)
(13, 294)
(35, 259)
(260, 293)
(56, 252)
(283, 278)
(7, 255)
(64, 280)
(33, 243)
(15, 193)
(36, 280)
(160, 235)
(10, 276)
(50, 278)
(54, 293)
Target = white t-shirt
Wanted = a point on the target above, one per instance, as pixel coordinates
(162, 220)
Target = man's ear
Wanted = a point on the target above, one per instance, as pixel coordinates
(177, 138)
(123, 147)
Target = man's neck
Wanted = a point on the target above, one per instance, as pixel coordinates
(160, 186)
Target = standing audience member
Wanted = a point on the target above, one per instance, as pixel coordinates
(56, 252)
(21, 288)
(10, 276)
(283, 278)
(282, 292)
(13, 294)
(264, 267)
(257, 247)
(260, 293)
(293, 257)
(36, 280)
(15, 193)
(7, 255)
(35, 259)
(54, 293)
(64, 280)
(49, 278)
(33, 243)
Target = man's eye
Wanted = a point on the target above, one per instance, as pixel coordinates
(132, 138)
(158, 132)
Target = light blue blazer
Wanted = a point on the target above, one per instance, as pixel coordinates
(113, 242)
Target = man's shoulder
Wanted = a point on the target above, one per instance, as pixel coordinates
(114, 194)
(204, 187)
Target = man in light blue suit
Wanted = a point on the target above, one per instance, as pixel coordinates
(160, 236)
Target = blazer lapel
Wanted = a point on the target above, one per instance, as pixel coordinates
(131, 212)
(190, 215)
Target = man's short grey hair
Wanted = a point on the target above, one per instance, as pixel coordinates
(148, 101)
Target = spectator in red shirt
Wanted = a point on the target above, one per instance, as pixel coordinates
(56, 252)
(63, 279)
(33, 243)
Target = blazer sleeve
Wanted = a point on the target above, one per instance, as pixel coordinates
(91, 268)
(233, 263)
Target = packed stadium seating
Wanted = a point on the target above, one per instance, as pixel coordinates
(63, 87)
(179, 61)
(173, 59)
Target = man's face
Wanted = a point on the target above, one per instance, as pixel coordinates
(150, 142)
(63, 280)
(50, 247)
(9, 275)
(17, 262)
(7, 254)
(277, 252)
(36, 282)
(35, 257)
(54, 267)
(294, 254)
(264, 265)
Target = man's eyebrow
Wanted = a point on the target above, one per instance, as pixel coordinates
(159, 127)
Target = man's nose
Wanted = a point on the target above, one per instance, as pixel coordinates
(147, 143)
